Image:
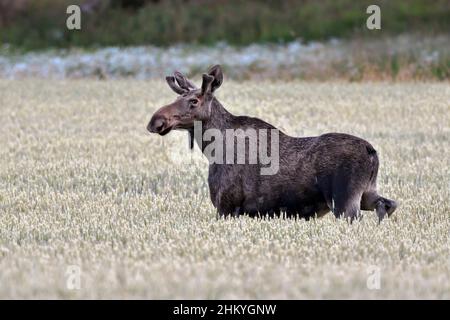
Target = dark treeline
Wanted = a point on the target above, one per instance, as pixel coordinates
(38, 24)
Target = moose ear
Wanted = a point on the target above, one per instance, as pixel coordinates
(216, 72)
(171, 82)
(184, 82)
(206, 84)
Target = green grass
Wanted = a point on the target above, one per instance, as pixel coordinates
(82, 183)
(43, 23)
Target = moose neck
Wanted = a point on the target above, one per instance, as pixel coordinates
(220, 119)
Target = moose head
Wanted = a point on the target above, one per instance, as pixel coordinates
(191, 105)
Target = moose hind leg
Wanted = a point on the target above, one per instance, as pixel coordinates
(345, 202)
(371, 200)
(348, 208)
(345, 196)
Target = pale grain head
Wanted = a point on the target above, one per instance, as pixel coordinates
(82, 183)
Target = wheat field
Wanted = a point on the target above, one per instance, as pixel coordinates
(93, 206)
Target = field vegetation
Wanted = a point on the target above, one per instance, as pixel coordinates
(83, 184)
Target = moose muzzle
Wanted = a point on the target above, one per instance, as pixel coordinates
(158, 124)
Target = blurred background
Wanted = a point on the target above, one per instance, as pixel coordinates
(285, 39)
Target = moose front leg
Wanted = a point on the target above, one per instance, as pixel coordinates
(228, 202)
(225, 205)
(225, 213)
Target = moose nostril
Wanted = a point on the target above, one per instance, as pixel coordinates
(159, 125)
(156, 125)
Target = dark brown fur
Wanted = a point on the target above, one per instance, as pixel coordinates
(332, 172)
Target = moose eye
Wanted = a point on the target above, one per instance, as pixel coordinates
(193, 102)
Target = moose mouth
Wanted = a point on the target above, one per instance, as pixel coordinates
(165, 131)
(176, 126)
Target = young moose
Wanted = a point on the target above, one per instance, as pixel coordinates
(332, 172)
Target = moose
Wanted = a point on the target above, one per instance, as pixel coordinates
(332, 172)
